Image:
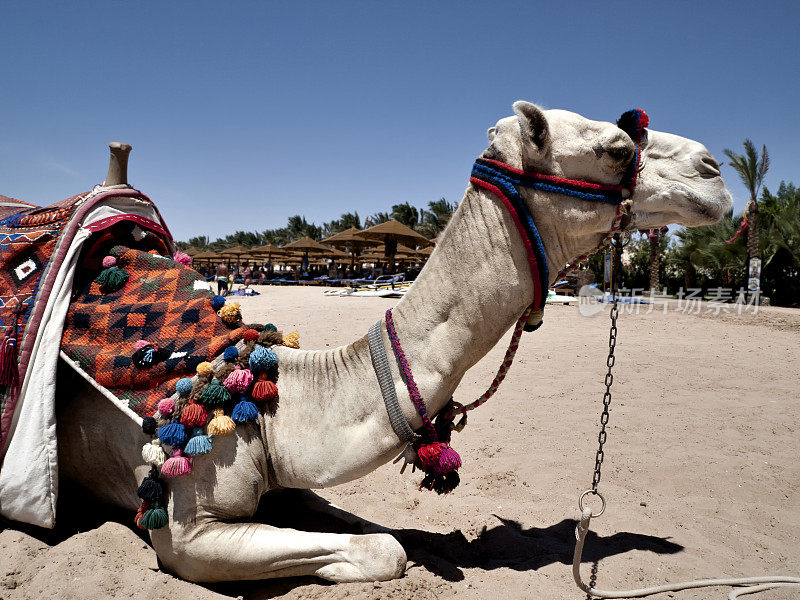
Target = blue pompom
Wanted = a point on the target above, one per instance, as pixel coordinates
(245, 411)
(217, 302)
(231, 353)
(184, 386)
(262, 359)
(172, 434)
(198, 444)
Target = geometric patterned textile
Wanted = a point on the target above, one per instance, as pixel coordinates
(29, 235)
(164, 303)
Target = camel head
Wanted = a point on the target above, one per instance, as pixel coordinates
(679, 181)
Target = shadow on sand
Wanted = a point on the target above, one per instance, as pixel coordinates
(507, 545)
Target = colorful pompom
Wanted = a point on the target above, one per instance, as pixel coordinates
(215, 394)
(262, 359)
(109, 261)
(176, 465)
(217, 302)
(220, 424)
(172, 434)
(154, 518)
(166, 406)
(194, 415)
(139, 344)
(112, 278)
(204, 369)
(270, 327)
(143, 508)
(292, 340)
(239, 380)
(264, 390)
(153, 453)
(231, 353)
(250, 335)
(151, 489)
(182, 258)
(198, 444)
(231, 314)
(244, 412)
(149, 425)
(183, 386)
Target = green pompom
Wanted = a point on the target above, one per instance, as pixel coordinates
(215, 394)
(154, 518)
(270, 327)
(112, 278)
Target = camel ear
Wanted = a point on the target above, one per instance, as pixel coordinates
(533, 125)
(490, 133)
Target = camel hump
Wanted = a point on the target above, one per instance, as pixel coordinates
(118, 163)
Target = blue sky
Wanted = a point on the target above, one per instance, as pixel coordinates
(244, 113)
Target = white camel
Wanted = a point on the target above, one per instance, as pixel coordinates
(331, 425)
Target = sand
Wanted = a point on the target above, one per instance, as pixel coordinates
(701, 469)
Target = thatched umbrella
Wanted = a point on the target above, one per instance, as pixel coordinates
(306, 246)
(192, 251)
(349, 240)
(236, 251)
(205, 256)
(391, 233)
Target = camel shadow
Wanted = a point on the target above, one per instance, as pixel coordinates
(507, 545)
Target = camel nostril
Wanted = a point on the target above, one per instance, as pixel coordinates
(708, 166)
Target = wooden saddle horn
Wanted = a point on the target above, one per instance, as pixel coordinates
(118, 164)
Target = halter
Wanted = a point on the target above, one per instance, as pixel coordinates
(431, 450)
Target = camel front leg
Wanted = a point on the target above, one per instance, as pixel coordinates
(217, 551)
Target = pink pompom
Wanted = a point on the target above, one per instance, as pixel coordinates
(109, 261)
(449, 460)
(177, 465)
(166, 406)
(239, 381)
(182, 258)
(140, 344)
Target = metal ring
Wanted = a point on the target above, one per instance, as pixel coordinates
(596, 493)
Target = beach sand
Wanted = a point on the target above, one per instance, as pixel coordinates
(701, 469)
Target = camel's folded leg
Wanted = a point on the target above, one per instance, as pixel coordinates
(218, 551)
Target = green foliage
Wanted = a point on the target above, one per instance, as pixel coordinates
(750, 168)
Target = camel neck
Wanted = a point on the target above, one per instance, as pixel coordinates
(474, 287)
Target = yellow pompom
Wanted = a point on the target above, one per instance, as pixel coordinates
(204, 369)
(220, 424)
(231, 313)
(292, 340)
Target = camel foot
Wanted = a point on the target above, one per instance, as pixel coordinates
(373, 557)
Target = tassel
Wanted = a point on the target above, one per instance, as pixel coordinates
(172, 434)
(441, 484)
(292, 340)
(217, 302)
(231, 314)
(183, 386)
(204, 369)
(239, 380)
(198, 444)
(176, 465)
(264, 390)
(449, 461)
(149, 425)
(215, 394)
(112, 278)
(220, 424)
(154, 518)
(153, 453)
(182, 258)
(250, 335)
(8, 360)
(151, 489)
(194, 415)
(143, 508)
(166, 406)
(262, 359)
(429, 455)
(244, 412)
(231, 353)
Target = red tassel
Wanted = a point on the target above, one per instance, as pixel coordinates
(140, 513)
(8, 360)
(429, 455)
(194, 415)
(264, 390)
(449, 461)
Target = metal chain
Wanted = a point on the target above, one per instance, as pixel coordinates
(616, 246)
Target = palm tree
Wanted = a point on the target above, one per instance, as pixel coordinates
(751, 170)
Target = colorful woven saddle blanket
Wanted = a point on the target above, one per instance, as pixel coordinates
(156, 327)
(40, 250)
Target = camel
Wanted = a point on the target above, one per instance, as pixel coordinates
(331, 425)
